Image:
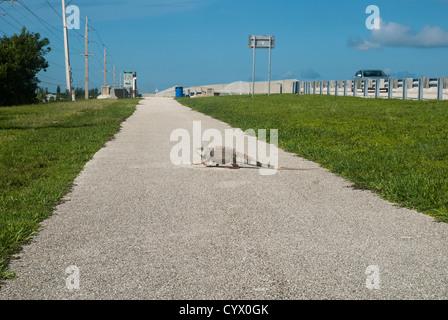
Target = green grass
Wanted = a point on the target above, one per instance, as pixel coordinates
(42, 150)
(396, 148)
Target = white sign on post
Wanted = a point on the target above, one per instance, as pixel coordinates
(261, 42)
(128, 79)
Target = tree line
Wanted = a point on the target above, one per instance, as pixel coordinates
(22, 57)
(44, 95)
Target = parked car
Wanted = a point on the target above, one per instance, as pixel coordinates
(372, 75)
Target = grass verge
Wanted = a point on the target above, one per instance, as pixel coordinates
(42, 150)
(396, 148)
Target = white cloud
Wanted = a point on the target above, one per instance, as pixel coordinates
(288, 74)
(397, 35)
(362, 45)
(309, 73)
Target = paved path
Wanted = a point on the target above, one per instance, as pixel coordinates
(138, 227)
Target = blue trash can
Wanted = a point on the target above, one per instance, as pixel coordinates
(179, 92)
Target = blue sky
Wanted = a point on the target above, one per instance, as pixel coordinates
(196, 42)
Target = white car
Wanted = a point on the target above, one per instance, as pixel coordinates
(372, 75)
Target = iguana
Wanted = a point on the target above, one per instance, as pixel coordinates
(216, 155)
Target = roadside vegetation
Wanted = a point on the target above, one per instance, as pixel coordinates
(42, 150)
(21, 59)
(396, 148)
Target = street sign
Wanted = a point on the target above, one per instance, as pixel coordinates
(128, 79)
(261, 42)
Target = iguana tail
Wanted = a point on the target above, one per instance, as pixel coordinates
(269, 166)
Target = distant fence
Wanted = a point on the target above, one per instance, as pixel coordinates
(407, 88)
(234, 88)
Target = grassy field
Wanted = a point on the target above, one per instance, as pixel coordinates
(42, 150)
(396, 148)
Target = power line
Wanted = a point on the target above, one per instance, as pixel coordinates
(100, 41)
(43, 22)
(27, 19)
(8, 14)
(51, 84)
(58, 13)
(50, 29)
(50, 78)
(1, 1)
(25, 16)
(54, 48)
(37, 17)
(108, 51)
(80, 42)
(10, 23)
(56, 64)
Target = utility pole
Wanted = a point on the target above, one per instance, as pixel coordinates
(134, 85)
(86, 89)
(86, 54)
(253, 74)
(269, 72)
(105, 69)
(68, 72)
(114, 76)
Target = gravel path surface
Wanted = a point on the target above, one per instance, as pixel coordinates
(136, 226)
